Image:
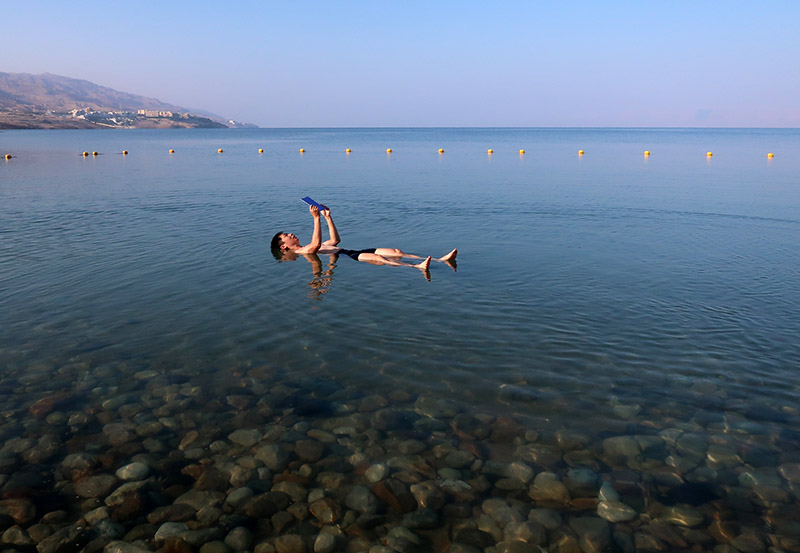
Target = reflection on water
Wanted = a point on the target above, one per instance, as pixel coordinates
(323, 279)
(613, 366)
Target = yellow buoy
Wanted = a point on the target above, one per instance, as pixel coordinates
(770, 155)
(646, 153)
(219, 151)
(580, 152)
(94, 153)
(8, 156)
(261, 150)
(302, 150)
(85, 154)
(347, 151)
(709, 154)
(124, 152)
(172, 151)
(388, 150)
(441, 150)
(489, 151)
(522, 151)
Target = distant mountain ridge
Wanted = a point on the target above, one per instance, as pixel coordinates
(58, 93)
(45, 100)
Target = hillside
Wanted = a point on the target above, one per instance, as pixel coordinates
(54, 101)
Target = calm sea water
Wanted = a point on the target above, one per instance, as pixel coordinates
(585, 277)
(607, 295)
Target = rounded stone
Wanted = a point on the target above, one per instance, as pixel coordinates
(692, 445)
(447, 473)
(625, 446)
(581, 481)
(362, 499)
(411, 447)
(239, 538)
(238, 497)
(57, 418)
(293, 489)
(428, 494)
(21, 510)
(720, 456)
(107, 528)
(133, 471)
(584, 526)
(95, 486)
(169, 530)
(79, 461)
(459, 459)
(548, 488)
(683, 516)
(326, 510)
(325, 543)
(765, 476)
(245, 437)
(502, 512)
(215, 546)
(544, 455)
(548, 518)
(376, 473)
(520, 471)
(17, 536)
(119, 433)
(608, 493)
(309, 451)
(421, 518)
(527, 531)
(290, 543)
(748, 543)
(615, 511)
(40, 531)
(273, 456)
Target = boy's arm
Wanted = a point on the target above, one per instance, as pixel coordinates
(316, 235)
(334, 239)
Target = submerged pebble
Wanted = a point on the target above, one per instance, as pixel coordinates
(615, 511)
(165, 464)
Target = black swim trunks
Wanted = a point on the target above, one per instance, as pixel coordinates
(353, 254)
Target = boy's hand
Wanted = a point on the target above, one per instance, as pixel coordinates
(326, 212)
(314, 210)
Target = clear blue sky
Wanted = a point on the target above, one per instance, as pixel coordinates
(433, 63)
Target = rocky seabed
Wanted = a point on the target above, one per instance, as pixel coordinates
(262, 461)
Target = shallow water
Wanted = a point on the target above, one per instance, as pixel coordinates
(605, 295)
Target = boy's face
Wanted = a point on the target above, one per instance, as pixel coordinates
(289, 242)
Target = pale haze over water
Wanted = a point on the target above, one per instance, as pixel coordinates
(581, 63)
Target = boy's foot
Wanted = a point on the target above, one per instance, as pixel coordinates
(425, 265)
(450, 256)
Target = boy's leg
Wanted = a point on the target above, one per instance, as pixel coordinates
(394, 252)
(377, 259)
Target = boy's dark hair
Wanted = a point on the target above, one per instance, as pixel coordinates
(275, 246)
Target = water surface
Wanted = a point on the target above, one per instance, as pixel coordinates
(609, 293)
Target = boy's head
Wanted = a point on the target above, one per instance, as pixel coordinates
(282, 244)
(277, 242)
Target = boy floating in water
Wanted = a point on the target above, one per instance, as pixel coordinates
(287, 245)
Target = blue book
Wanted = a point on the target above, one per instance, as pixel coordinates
(309, 201)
